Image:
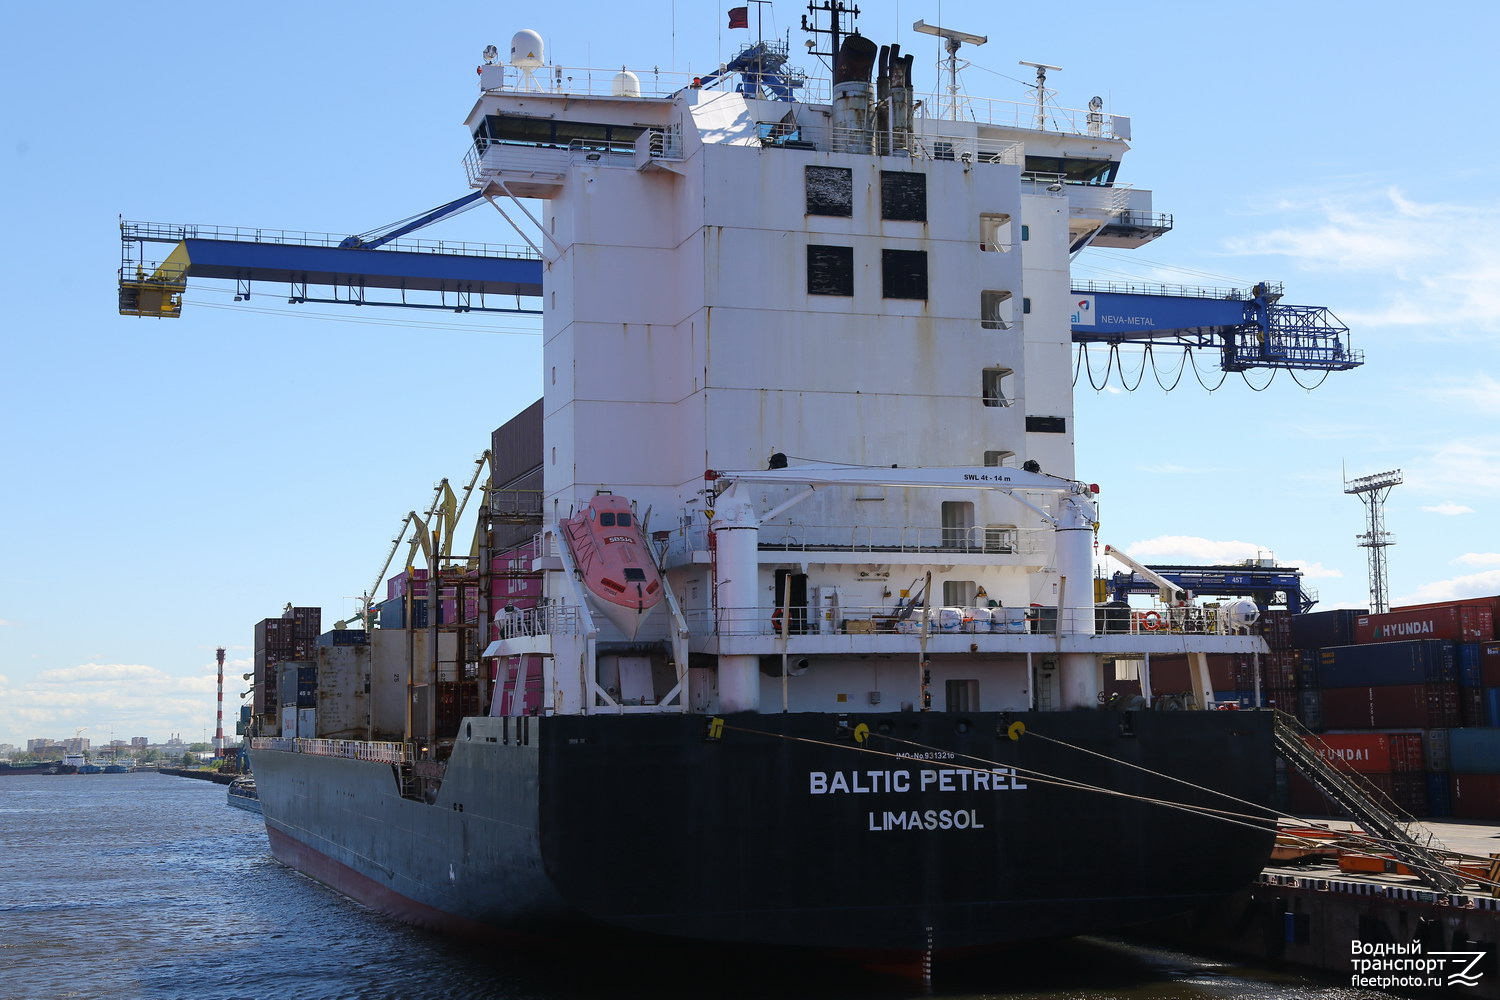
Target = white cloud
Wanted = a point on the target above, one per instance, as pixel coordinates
(1479, 559)
(86, 673)
(8, 624)
(1192, 549)
(128, 699)
(1484, 584)
(1315, 570)
(1449, 509)
(1428, 279)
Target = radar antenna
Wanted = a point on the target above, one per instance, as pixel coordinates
(952, 40)
(1042, 93)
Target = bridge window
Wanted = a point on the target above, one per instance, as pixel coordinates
(996, 310)
(995, 387)
(995, 232)
(1047, 425)
(903, 274)
(830, 270)
(1073, 170)
(958, 593)
(830, 191)
(903, 196)
(519, 130)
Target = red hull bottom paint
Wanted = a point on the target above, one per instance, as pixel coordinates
(365, 890)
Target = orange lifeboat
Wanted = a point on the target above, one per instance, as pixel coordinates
(611, 553)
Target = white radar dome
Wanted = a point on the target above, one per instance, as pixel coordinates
(526, 50)
(1239, 614)
(625, 84)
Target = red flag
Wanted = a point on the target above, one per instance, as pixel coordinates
(739, 17)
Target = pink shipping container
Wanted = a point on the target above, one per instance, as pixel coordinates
(1458, 622)
(1370, 753)
(396, 586)
(1397, 706)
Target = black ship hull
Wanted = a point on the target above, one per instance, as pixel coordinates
(934, 832)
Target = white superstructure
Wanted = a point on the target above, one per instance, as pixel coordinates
(739, 283)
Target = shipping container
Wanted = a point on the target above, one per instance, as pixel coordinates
(1467, 658)
(1370, 753)
(1275, 626)
(1471, 707)
(1428, 661)
(307, 723)
(1474, 751)
(1439, 795)
(1406, 790)
(1475, 796)
(345, 637)
(289, 722)
(1311, 704)
(1465, 624)
(1489, 664)
(397, 585)
(1436, 749)
(1325, 628)
(1400, 706)
(1492, 706)
(516, 445)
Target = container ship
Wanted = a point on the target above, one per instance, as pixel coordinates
(780, 628)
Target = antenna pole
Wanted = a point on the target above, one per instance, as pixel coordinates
(1041, 90)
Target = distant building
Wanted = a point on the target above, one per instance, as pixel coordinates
(78, 744)
(139, 742)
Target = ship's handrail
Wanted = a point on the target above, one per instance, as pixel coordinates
(1174, 291)
(997, 540)
(1015, 620)
(174, 232)
(581, 81)
(547, 619)
(390, 753)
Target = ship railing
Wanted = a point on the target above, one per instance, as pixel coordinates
(927, 143)
(548, 619)
(993, 540)
(982, 620)
(515, 503)
(1274, 288)
(600, 82)
(172, 232)
(1018, 114)
(390, 753)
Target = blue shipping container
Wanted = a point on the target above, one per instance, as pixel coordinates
(1469, 673)
(1439, 794)
(345, 637)
(1492, 706)
(1386, 664)
(1474, 751)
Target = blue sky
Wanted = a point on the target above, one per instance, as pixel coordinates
(171, 482)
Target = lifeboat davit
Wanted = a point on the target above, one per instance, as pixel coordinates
(611, 553)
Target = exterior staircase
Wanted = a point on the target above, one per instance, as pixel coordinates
(1375, 814)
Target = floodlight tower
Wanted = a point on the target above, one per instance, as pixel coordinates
(1372, 491)
(952, 40)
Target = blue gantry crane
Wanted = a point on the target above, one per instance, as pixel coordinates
(1249, 329)
(321, 267)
